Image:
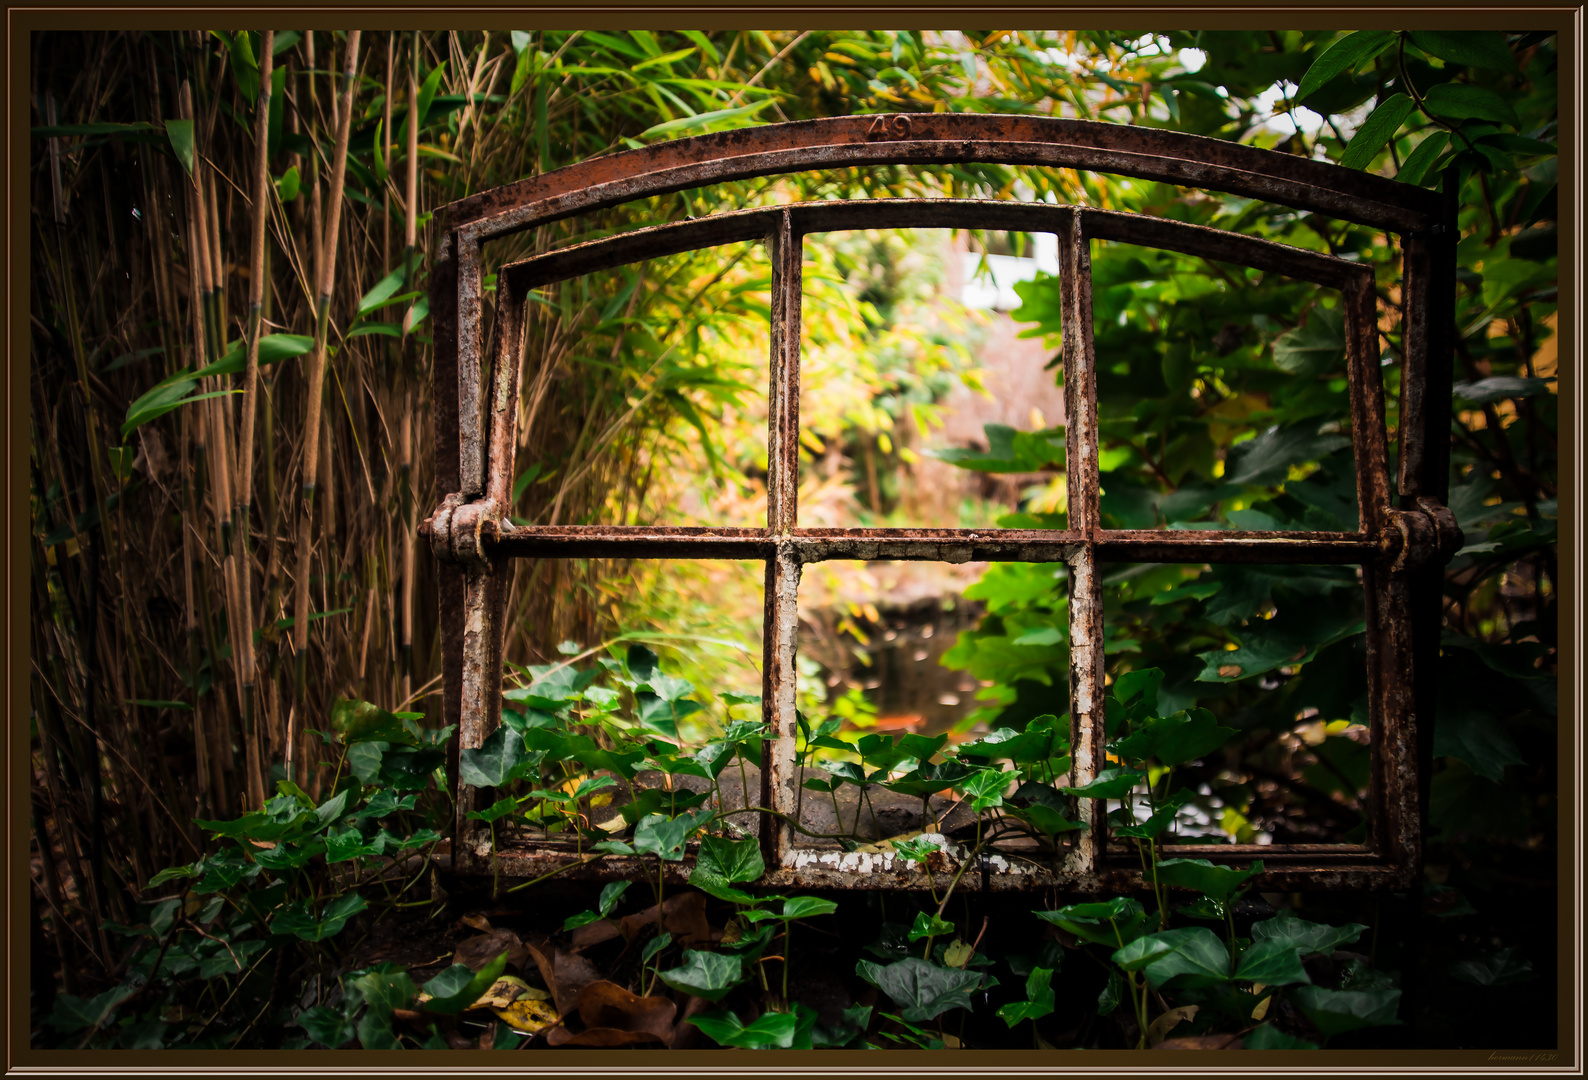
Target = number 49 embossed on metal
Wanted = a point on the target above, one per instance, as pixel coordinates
(1404, 536)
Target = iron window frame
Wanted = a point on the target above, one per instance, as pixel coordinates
(1404, 537)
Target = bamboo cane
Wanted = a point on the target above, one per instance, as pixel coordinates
(316, 372)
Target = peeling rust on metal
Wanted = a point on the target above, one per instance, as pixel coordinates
(1399, 548)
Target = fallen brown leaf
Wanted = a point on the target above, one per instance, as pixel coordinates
(476, 952)
(600, 1037)
(1201, 1042)
(564, 973)
(683, 916)
(606, 1005)
(1161, 1026)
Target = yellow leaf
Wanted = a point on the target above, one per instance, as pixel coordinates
(528, 1015)
(1262, 1008)
(506, 990)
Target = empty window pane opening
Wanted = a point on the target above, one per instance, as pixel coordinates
(1322, 498)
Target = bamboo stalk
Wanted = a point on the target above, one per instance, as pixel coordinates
(406, 425)
(317, 362)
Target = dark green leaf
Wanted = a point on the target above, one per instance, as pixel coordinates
(1268, 1037)
(1376, 132)
(1215, 882)
(298, 918)
(920, 989)
(1313, 348)
(1272, 963)
(72, 1013)
(1415, 169)
(1344, 55)
(458, 987)
(705, 974)
(1111, 995)
(1191, 958)
(1309, 937)
(327, 1026)
(1500, 968)
(1114, 923)
(1470, 48)
(1111, 783)
(805, 907)
(769, 1031)
(1459, 101)
(610, 895)
(664, 837)
(1175, 740)
(1039, 999)
(928, 925)
(180, 132)
(499, 759)
(1333, 1012)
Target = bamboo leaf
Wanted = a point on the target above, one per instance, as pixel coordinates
(180, 132)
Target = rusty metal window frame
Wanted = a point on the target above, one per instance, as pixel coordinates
(1405, 534)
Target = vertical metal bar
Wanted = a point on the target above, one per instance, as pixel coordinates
(1367, 404)
(783, 401)
(1087, 732)
(1425, 599)
(507, 377)
(449, 578)
(1417, 318)
(779, 777)
(781, 619)
(470, 323)
(1080, 376)
(1394, 810)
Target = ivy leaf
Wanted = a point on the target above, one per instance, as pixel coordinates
(499, 759)
(325, 1025)
(722, 863)
(1309, 937)
(1344, 55)
(1313, 348)
(1177, 739)
(72, 1013)
(610, 895)
(1334, 1012)
(1501, 968)
(662, 836)
(1272, 963)
(1459, 101)
(1376, 131)
(1193, 957)
(769, 1031)
(1113, 922)
(922, 990)
(1215, 882)
(298, 918)
(804, 907)
(1039, 999)
(705, 974)
(1114, 783)
(458, 987)
(928, 925)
